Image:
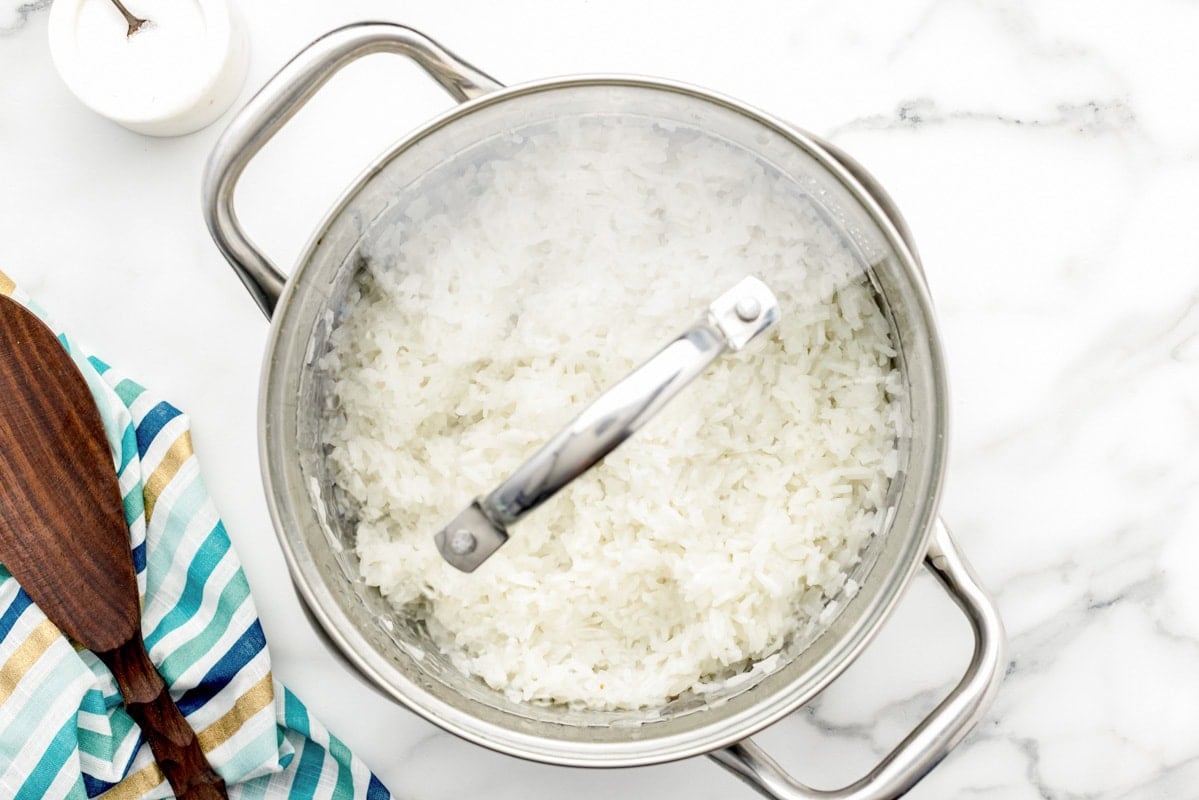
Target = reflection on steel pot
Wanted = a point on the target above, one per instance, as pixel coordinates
(395, 653)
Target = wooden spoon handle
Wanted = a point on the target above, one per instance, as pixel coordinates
(177, 750)
(171, 739)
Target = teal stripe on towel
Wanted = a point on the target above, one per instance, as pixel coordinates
(104, 746)
(233, 595)
(135, 505)
(258, 751)
(128, 391)
(162, 557)
(210, 554)
(294, 713)
(308, 773)
(345, 778)
(59, 751)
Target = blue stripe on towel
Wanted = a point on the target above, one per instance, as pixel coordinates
(240, 654)
(152, 423)
(14, 611)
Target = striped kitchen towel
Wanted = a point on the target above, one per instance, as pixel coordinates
(63, 730)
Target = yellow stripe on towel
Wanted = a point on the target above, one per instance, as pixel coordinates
(260, 695)
(178, 453)
(6, 285)
(256, 698)
(25, 656)
(136, 785)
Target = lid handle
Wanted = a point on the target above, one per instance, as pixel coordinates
(733, 320)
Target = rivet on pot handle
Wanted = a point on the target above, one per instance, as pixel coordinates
(284, 95)
(938, 733)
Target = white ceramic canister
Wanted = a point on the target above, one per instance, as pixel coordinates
(177, 74)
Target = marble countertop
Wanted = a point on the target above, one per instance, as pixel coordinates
(1047, 157)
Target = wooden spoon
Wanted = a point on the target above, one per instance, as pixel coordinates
(63, 534)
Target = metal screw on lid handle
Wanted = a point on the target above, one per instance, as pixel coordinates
(732, 321)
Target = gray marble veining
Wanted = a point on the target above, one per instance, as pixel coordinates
(15, 16)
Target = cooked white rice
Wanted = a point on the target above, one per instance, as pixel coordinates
(524, 284)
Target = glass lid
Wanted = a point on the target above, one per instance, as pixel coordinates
(489, 281)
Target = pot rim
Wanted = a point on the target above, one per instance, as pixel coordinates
(629, 752)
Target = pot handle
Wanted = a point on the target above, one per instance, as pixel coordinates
(276, 103)
(940, 731)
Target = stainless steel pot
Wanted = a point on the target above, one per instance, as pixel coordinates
(393, 653)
